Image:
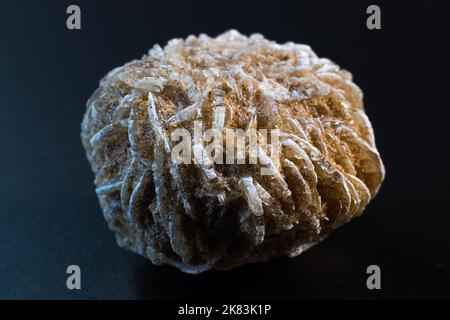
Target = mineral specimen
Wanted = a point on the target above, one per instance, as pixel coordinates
(203, 214)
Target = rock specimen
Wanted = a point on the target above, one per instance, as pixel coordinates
(206, 214)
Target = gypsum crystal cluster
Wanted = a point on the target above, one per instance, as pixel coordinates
(201, 216)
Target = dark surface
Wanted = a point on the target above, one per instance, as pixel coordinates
(49, 214)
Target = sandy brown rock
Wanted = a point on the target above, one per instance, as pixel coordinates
(202, 216)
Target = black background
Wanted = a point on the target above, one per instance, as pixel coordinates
(49, 214)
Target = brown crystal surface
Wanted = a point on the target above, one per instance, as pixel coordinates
(196, 216)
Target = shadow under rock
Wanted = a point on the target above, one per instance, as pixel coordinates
(334, 269)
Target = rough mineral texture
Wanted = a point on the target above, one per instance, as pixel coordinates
(209, 215)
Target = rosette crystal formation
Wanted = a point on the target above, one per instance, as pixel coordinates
(202, 215)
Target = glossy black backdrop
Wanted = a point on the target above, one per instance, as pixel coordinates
(49, 215)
